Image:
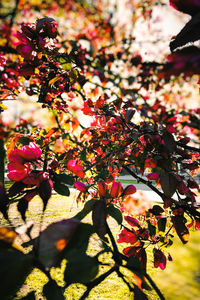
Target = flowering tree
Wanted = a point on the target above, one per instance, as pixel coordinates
(92, 59)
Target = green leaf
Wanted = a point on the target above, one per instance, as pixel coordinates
(151, 228)
(15, 267)
(156, 210)
(52, 291)
(115, 213)
(86, 210)
(61, 189)
(162, 224)
(64, 178)
(81, 268)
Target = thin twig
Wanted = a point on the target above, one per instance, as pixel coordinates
(96, 282)
(154, 286)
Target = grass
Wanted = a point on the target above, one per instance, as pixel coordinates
(128, 181)
(180, 280)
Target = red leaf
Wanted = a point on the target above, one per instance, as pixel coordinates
(168, 183)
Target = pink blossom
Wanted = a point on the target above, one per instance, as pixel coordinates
(129, 190)
(153, 176)
(25, 153)
(30, 152)
(17, 171)
(132, 221)
(102, 186)
(76, 168)
(116, 190)
(127, 237)
(80, 186)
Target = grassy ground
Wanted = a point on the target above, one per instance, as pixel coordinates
(128, 181)
(180, 280)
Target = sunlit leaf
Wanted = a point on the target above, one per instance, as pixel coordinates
(61, 189)
(182, 231)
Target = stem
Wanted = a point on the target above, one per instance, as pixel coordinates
(131, 289)
(185, 207)
(149, 184)
(2, 161)
(116, 254)
(155, 287)
(189, 147)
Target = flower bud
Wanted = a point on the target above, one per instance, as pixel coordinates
(102, 186)
(116, 190)
(80, 186)
(130, 189)
(153, 176)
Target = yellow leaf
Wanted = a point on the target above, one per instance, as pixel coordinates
(52, 81)
(2, 106)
